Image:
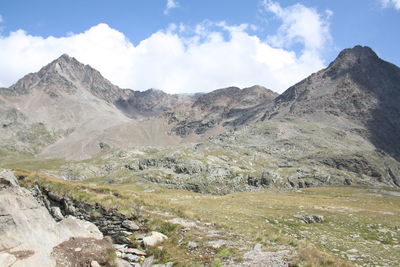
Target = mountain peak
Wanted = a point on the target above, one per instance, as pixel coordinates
(350, 57)
(65, 60)
(66, 74)
(64, 57)
(358, 51)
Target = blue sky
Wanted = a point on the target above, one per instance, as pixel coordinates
(141, 44)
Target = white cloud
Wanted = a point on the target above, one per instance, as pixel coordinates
(179, 59)
(300, 24)
(390, 3)
(171, 4)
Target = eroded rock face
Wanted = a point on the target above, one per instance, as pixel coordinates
(28, 233)
(109, 222)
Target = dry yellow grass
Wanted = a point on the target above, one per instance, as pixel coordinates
(356, 219)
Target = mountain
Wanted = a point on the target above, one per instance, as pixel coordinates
(70, 110)
(220, 108)
(358, 90)
(337, 127)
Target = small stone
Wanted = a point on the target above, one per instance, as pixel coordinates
(56, 212)
(258, 247)
(123, 263)
(55, 197)
(130, 225)
(183, 222)
(78, 249)
(95, 264)
(352, 251)
(168, 264)
(310, 218)
(119, 246)
(216, 243)
(192, 244)
(139, 236)
(126, 232)
(135, 251)
(130, 257)
(148, 262)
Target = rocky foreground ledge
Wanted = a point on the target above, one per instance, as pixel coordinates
(41, 228)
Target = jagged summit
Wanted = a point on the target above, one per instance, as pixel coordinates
(64, 65)
(360, 60)
(356, 88)
(355, 69)
(66, 75)
(65, 56)
(357, 53)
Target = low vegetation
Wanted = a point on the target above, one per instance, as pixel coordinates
(361, 226)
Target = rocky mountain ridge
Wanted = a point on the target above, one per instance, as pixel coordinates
(78, 109)
(338, 126)
(357, 88)
(131, 150)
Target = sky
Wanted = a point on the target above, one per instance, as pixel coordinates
(187, 46)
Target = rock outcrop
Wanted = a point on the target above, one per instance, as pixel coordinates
(28, 233)
(110, 222)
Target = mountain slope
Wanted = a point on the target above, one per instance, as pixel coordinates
(220, 108)
(70, 110)
(357, 90)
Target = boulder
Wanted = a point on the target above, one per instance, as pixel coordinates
(56, 212)
(7, 178)
(192, 244)
(310, 218)
(216, 243)
(130, 225)
(122, 263)
(154, 239)
(134, 251)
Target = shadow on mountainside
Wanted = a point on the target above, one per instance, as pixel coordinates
(382, 79)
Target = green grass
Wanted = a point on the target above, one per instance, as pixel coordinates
(267, 217)
(364, 219)
(10, 160)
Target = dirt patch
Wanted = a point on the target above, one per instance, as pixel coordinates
(80, 252)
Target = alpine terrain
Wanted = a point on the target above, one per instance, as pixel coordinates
(233, 177)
